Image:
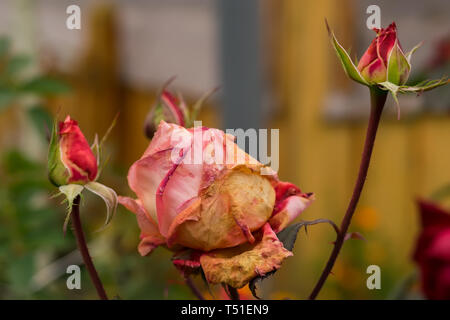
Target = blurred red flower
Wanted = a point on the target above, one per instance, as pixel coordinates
(432, 252)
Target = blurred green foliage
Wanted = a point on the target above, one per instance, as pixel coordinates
(14, 85)
(31, 235)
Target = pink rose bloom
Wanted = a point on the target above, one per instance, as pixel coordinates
(219, 209)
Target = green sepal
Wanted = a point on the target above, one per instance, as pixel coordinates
(97, 147)
(108, 195)
(70, 191)
(58, 174)
(418, 88)
(398, 66)
(424, 86)
(409, 54)
(198, 106)
(349, 67)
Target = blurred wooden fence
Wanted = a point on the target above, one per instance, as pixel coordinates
(411, 158)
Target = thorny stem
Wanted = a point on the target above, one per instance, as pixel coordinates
(377, 99)
(81, 241)
(194, 288)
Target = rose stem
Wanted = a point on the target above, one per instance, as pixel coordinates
(377, 99)
(234, 294)
(194, 288)
(81, 241)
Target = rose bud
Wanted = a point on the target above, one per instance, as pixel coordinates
(384, 65)
(71, 160)
(167, 108)
(203, 197)
(432, 252)
(384, 60)
(73, 167)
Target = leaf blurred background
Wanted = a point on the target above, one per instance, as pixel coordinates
(277, 70)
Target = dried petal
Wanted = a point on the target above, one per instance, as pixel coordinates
(237, 266)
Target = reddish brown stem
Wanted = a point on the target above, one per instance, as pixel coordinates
(233, 293)
(378, 99)
(81, 241)
(194, 288)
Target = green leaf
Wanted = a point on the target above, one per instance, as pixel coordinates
(45, 85)
(19, 272)
(288, 236)
(15, 161)
(349, 67)
(17, 63)
(108, 195)
(6, 97)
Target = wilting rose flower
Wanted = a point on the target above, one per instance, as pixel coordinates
(210, 202)
(384, 59)
(432, 252)
(71, 160)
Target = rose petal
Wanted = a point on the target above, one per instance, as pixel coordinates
(237, 266)
(225, 213)
(288, 210)
(167, 137)
(145, 176)
(433, 215)
(187, 261)
(369, 56)
(150, 236)
(145, 221)
(148, 244)
(181, 184)
(76, 153)
(435, 220)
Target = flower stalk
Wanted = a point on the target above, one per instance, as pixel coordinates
(233, 293)
(378, 99)
(82, 246)
(194, 288)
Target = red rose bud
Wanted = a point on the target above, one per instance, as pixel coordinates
(383, 64)
(384, 60)
(167, 108)
(432, 252)
(70, 160)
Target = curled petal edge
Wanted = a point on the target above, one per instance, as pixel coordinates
(238, 265)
